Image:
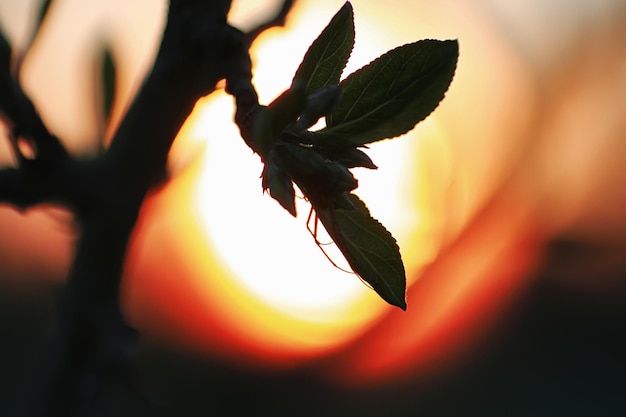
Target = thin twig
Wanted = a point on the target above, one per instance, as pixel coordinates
(239, 81)
(25, 119)
(277, 21)
(50, 173)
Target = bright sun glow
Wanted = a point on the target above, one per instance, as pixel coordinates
(270, 255)
(216, 265)
(282, 265)
(242, 279)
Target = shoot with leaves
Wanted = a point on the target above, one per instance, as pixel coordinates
(384, 99)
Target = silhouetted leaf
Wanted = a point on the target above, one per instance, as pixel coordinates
(280, 186)
(43, 12)
(271, 120)
(369, 248)
(349, 157)
(5, 52)
(327, 56)
(284, 110)
(319, 179)
(389, 96)
(318, 104)
(108, 83)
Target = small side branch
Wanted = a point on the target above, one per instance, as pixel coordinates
(22, 190)
(15, 189)
(239, 79)
(278, 20)
(25, 122)
(47, 172)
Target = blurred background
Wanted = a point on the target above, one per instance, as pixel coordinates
(507, 203)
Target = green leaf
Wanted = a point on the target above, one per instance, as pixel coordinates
(44, 9)
(108, 75)
(284, 110)
(318, 104)
(280, 186)
(369, 248)
(43, 12)
(5, 53)
(327, 56)
(272, 119)
(389, 96)
(349, 157)
(318, 178)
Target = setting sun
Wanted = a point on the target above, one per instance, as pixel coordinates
(258, 290)
(268, 254)
(265, 278)
(144, 269)
(218, 265)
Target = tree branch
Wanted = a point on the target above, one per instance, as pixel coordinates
(198, 49)
(50, 173)
(239, 80)
(27, 123)
(278, 20)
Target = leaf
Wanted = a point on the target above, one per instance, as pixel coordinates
(43, 12)
(284, 110)
(318, 105)
(272, 119)
(108, 75)
(5, 53)
(349, 157)
(280, 186)
(369, 248)
(328, 55)
(319, 179)
(390, 95)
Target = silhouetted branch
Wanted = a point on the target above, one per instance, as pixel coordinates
(198, 49)
(24, 188)
(48, 173)
(44, 8)
(239, 81)
(16, 190)
(278, 20)
(25, 121)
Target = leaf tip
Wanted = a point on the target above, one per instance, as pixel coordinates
(452, 45)
(449, 50)
(397, 300)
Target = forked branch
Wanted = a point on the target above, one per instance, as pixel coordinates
(198, 50)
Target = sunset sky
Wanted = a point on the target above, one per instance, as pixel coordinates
(527, 145)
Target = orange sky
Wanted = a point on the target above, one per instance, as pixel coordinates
(527, 144)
